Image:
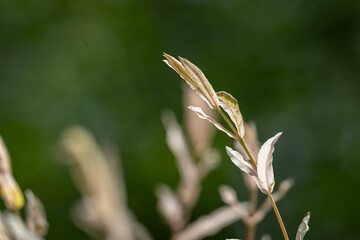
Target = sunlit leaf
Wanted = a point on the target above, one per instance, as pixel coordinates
(195, 78)
(231, 107)
(203, 115)
(178, 67)
(9, 189)
(240, 162)
(199, 78)
(244, 165)
(303, 228)
(264, 165)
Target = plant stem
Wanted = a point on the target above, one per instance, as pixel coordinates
(251, 228)
(278, 216)
(238, 137)
(243, 144)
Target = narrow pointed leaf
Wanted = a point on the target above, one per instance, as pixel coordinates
(244, 165)
(199, 78)
(239, 161)
(264, 165)
(203, 115)
(231, 107)
(205, 92)
(201, 81)
(176, 65)
(303, 228)
(10, 191)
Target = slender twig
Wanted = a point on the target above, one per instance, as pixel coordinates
(278, 216)
(238, 137)
(243, 144)
(251, 227)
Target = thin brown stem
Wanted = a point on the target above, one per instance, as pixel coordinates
(251, 227)
(243, 144)
(278, 216)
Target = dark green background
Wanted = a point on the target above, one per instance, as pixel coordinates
(293, 66)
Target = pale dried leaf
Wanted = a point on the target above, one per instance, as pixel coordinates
(201, 81)
(228, 194)
(266, 237)
(170, 207)
(303, 228)
(16, 228)
(35, 214)
(5, 166)
(245, 166)
(208, 225)
(194, 78)
(240, 162)
(189, 185)
(231, 107)
(9, 189)
(265, 167)
(208, 161)
(104, 200)
(3, 237)
(200, 133)
(203, 115)
(179, 68)
(11, 192)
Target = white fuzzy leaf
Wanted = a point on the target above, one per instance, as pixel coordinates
(203, 115)
(303, 228)
(231, 107)
(264, 165)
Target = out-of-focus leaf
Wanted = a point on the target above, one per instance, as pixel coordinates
(16, 228)
(264, 165)
(195, 78)
(203, 115)
(303, 228)
(170, 207)
(9, 189)
(35, 214)
(231, 107)
(200, 133)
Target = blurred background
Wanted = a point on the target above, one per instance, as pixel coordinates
(294, 66)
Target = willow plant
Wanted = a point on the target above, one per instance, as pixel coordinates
(259, 167)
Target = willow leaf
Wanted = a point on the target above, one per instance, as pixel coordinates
(203, 115)
(244, 165)
(303, 228)
(239, 161)
(201, 81)
(264, 165)
(179, 68)
(231, 107)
